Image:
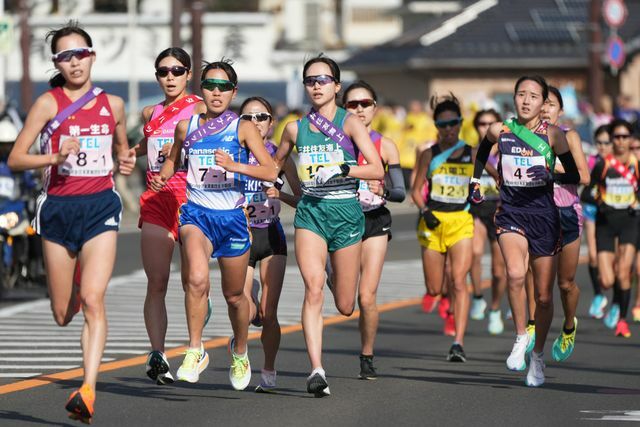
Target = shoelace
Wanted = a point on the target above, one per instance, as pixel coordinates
(239, 366)
(566, 342)
(191, 358)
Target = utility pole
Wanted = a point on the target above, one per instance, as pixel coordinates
(133, 89)
(176, 13)
(596, 76)
(197, 10)
(26, 86)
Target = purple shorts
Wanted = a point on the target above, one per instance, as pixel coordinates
(540, 227)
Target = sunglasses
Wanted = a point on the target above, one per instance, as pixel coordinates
(364, 103)
(621, 136)
(441, 124)
(258, 117)
(77, 52)
(637, 147)
(176, 70)
(482, 124)
(603, 142)
(322, 80)
(221, 85)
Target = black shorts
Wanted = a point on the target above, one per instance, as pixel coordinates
(615, 224)
(377, 223)
(540, 227)
(267, 241)
(485, 212)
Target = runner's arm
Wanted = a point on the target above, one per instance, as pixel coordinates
(575, 146)
(291, 175)
(588, 194)
(422, 166)
(141, 146)
(355, 129)
(287, 142)
(561, 147)
(266, 168)
(172, 162)
(391, 156)
(484, 149)
(126, 156)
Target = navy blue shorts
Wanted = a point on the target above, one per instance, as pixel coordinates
(570, 224)
(73, 220)
(267, 241)
(227, 230)
(540, 227)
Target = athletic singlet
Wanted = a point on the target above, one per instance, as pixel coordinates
(91, 170)
(261, 209)
(209, 185)
(614, 190)
(164, 135)
(449, 184)
(516, 156)
(565, 195)
(488, 186)
(368, 200)
(315, 151)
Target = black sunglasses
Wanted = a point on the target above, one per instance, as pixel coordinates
(258, 117)
(603, 142)
(176, 70)
(364, 103)
(621, 136)
(441, 124)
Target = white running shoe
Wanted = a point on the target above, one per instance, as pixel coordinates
(515, 361)
(267, 382)
(195, 361)
(496, 325)
(535, 376)
(240, 371)
(317, 383)
(478, 306)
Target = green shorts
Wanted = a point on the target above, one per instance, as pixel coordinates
(339, 222)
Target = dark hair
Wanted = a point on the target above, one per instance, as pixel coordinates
(359, 84)
(537, 79)
(259, 99)
(335, 70)
(224, 65)
(174, 52)
(446, 103)
(599, 130)
(620, 122)
(554, 90)
(481, 113)
(72, 27)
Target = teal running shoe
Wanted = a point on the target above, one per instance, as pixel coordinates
(564, 344)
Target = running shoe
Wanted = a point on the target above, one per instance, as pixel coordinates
(80, 404)
(496, 325)
(255, 288)
(612, 317)
(443, 307)
(636, 313)
(367, 371)
(516, 361)
(622, 329)
(240, 371)
(478, 306)
(267, 382)
(449, 325)
(158, 368)
(317, 384)
(598, 304)
(564, 344)
(456, 354)
(509, 315)
(535, 376)
(209, 311)
(429, 303)
(531, 331)
(195, 361)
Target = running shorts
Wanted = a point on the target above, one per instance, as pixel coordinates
(540, 227)
(161, 209)
(615, 224)
(589, 211)
(227, 230)
(485, 213)
(571, 221)
(377, 223)
(71, 221)
(267, 241)
(340, 223)
(453, 227)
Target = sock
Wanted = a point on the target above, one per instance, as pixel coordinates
(625, 297)
(568, 331)
(616, 292)
(240, 355)
(477, 296)
(318, 371)
(593, 274)
(366, 356)
(531, 322)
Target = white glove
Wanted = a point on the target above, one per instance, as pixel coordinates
(325, 174)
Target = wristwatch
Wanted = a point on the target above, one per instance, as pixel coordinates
(345, 168)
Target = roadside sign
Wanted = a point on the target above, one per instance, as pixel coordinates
(615, 52)
(615, 13)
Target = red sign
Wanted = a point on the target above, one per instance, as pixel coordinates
(615, 13)
(615, 52)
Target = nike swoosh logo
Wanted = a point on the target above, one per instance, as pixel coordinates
(353, 234)
(386, 228)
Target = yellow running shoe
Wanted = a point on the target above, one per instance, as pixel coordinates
(240, 371)
(564, 344)
(195, 361)
(531, 331)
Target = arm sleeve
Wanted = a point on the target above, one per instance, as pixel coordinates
(481, 157)
(571, 174)
(588, 192)
(397, 191)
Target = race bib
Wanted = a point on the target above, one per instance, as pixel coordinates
(262, 209)
(309, 163)
(154, 146)
(514, 170)
(93, 159)
(450, 183)
(204, 174)
(619, 193)
(7, 187)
